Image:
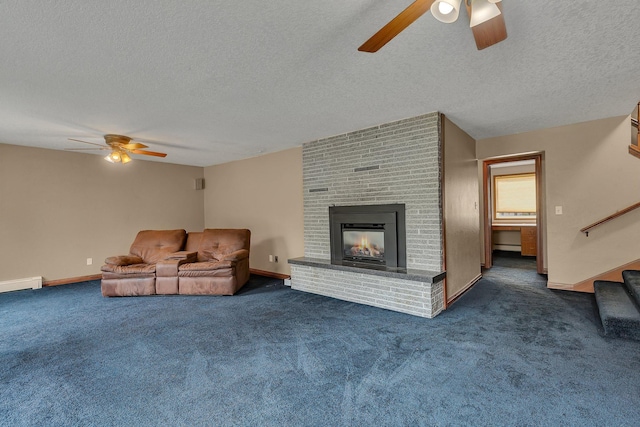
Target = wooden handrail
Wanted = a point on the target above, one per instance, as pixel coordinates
(586, 229)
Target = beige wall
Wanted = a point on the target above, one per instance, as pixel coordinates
(588, 172)
(263, 194)
(461, 210)
(59, 208)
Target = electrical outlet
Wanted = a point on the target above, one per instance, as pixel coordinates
(89, 261)
(275, 258)
(270, 258)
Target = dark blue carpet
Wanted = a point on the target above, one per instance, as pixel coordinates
(509, 352)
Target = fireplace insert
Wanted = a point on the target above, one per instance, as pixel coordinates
(368, 235)
(363, 242)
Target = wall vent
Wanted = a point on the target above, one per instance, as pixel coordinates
(198, 183)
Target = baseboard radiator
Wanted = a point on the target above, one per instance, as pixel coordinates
(19, 284)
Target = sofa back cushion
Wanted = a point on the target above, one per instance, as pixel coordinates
(155, 245)
(193, 243)
(218, 242)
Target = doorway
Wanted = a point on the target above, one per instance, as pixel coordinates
(513, 207)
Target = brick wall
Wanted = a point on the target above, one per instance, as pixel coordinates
(397, 162)
(406, 296)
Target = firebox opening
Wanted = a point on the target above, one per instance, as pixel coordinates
(368, 236)
(363, 243)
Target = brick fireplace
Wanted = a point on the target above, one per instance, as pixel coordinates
(397, 164)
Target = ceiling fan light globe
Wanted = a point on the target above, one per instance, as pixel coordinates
(482, 11)
(446, 11)
(114, 157)
(109, 159)
(124, 157)
(444, 8)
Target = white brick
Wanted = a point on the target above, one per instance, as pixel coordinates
(407, 154)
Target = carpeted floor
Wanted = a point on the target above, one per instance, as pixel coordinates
(509, 352)
(514, 259)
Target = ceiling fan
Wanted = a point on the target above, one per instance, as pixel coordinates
(120, 147)
(486, 21)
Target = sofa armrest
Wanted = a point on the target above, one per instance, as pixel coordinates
(123, 260)
(168, 268)
(236, 256)
(185, 256)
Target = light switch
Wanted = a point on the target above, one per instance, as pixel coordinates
(558, 210)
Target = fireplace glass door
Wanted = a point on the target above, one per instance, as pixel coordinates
(368, 236)
(363, 245)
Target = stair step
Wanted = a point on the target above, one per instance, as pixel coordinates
(619, 314)
(632, 282)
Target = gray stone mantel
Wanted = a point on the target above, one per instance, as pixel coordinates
(396, 273)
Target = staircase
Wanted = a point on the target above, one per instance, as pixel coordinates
(619, 305)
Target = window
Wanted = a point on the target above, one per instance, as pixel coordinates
(514, 197)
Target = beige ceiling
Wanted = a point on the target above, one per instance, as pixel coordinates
(213, 81)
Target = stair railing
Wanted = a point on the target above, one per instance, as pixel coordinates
(588, 228)
(635, 150)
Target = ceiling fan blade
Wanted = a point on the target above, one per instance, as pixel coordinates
(490, 32)
(149, 153)
(83, 149)
(87, 142)
(134, 146)
(396, 25)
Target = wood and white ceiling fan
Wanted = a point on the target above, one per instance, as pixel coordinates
(120, 147)
(486, 21)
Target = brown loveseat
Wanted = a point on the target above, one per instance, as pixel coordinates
(165, 262)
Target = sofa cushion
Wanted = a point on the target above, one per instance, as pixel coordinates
(205, 266)
(129, 269)
(216, 243)
(155, 245)
(131, 277)
(193, 243)
(123, 260)
(219, 272)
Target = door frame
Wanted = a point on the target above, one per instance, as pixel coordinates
(488, 206)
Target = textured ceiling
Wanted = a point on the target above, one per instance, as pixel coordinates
(213, 81)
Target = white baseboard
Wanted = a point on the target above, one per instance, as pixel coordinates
(18, 284)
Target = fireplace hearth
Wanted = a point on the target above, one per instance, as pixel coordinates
(368, 236)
